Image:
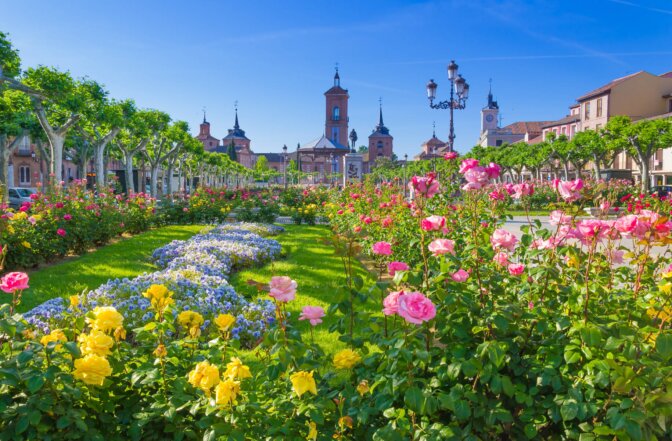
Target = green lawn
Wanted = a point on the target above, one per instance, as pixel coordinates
(127, 258)
(317, 271)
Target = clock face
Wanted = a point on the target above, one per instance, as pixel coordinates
(489, 117)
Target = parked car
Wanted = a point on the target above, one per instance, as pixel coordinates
(662, 191)
(19, 195)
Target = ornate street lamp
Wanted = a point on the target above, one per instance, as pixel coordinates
(459, 92)
(284, 162)
(405, 164)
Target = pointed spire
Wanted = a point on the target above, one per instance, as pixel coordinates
(380, 104)
(337, 78)
(235, 125)
(433, 129)
(204, 120)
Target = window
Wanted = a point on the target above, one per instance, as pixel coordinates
(24, 175)
(598, 111)
(336, 113)
(24, 146)
(586, 110)
(564, 130)
(573, 130)
(379, 145)
(498, 143)
(334, 134)
(669, 106)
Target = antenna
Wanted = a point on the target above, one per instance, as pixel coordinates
(336, 64)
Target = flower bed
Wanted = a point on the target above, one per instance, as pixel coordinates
(196, 271)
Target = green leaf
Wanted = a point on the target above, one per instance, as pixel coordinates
(569, 410)
(414, 399)
(22, 424)
(530, 431)
(35, 383)
(72, 348)
(462, 410)
(664, 345)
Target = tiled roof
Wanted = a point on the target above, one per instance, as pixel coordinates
(523, 127)
(336, 90)
(562, 121)
(536, 140)
(433, 141)
(607, 87)
(323, 143)
(667, 74)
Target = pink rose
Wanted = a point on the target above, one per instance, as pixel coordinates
(503, 239)
(313, 314)
(391, 303)
(67, 217)
(442, 246)
(282, 288)
(568, 190)
(616, 256)
(449, 156)
(516, 269)
(477, 176)
(493, 170)
(468, 164)
(16, 281)
(426, 186)
(415, 308)
(524, 189)
(460, 276)
(61, 232)
(382, 248)
(501, 258)
(433, 223)
(393, 267)
(557, 217)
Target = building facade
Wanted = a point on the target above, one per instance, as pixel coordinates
(236, 137)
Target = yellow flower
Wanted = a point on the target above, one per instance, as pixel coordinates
(96, 342)
(204, 376)
(226, 392)
(28, 334)
(55, 335)
(189, 319)
(20, 216)
(303, 382)
(106, 318)
(312, 431)
(195, 331)
(346, 359)
(119, 334)
(345, 421)
(161, 351)
(363, 387)
(92, 369)
(74, 301)
(225, 321)
(159, 297)
(237, 370)
(665, 288)
(26, 244)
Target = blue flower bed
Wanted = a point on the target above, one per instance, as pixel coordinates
(196, 271)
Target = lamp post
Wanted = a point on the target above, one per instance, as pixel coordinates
(459, 92)
(405, 163)
(331, 165)
(284, 163)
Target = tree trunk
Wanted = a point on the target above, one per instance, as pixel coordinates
(565, 166)
(130, 185)
(169, 182)
(5, 151)
(153, 179)
(644, 172)
(596, 167)
(56, 166)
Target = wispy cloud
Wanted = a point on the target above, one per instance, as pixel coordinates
(648, 8)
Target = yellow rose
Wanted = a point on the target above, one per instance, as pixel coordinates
(96, 342)
(303, 382)
(20, 216)
(204, 376)
(74, 301)
(55, 335)
(26, 244)
(346, 359)
(665, 288)
(237, 370)
(226, 392)
(312, 431)
(363, 387)
(159, 297)
(119, 334)
(161, 351)
(92, 369)
(225, 321)
(106, 318)
(189, 319)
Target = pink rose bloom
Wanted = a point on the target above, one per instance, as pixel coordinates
(493, 170)
(313, 314)
(426, 186)
(450, 156)
(468, 164)
(357, 228)
(557, 217)
(382, 248)
(367, 220)
(283, 288)
(568, 190)
(32, 220)
(477, 175)
(433, 223)
(67, 217)
(631, 226)
(497, 195)
(592, 228)
(393, 267)
(387, 222)
(61, 232)
(516, 269)
(524, 189)
(415, 308)
(503, 239)
(460, 276)
(472, 186)
(442, 246)
(16, 281)
(391, 303)
(501, 258)
(616, 256)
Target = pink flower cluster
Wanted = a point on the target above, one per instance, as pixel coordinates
(503, 239)
(382, 248)
(476, 175)
(568, 190)
(413, 306)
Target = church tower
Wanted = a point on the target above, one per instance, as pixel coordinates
(336, 126)
(489, 113)
(380, 140)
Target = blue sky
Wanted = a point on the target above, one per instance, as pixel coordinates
(277, 58)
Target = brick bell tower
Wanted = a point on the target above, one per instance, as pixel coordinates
(336, 126)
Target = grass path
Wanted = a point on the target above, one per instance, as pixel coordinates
(126, 258)
(317, 271)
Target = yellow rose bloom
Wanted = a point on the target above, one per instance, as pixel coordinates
(119, 334)
(226, 392)
(363, 387)
(92, 369)
(312, 431)
(55, 335)
(189, 319)
(96, 342)
(161, 351)
(346, 359)
(159, 297)
(74, 301)
(26, 244)
(224, 322)
(204, 376)
(107, 318)
(236, 370)
(20, 216)
(303, 382)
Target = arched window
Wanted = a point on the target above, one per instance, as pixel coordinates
(336, 113)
